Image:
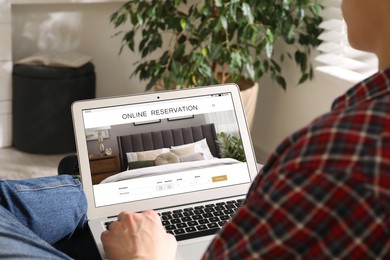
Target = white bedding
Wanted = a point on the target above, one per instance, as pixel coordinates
(168, 168)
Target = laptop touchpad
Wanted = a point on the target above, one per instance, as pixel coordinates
(193, 251)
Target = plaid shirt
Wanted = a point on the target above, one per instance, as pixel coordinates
(325, 192)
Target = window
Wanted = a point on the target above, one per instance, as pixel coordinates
(337, 57)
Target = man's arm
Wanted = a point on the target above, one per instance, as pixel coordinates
(311, 215)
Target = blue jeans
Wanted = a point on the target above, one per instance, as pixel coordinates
(36, 213)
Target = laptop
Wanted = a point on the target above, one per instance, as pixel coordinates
(180, 152)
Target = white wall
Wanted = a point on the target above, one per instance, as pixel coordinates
(279, 113)
(86, 28)
(5, 73)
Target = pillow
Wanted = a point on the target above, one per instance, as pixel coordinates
(199, 147)
(140, 164)
(187, 149)
(132, 157)
(166, 158)
(145, 155)
(182, 146)
(202, 147)
(191, 157)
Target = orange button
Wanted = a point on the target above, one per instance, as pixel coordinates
(219, 178)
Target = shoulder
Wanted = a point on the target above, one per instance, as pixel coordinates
(367, 119)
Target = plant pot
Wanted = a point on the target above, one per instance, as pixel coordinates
(249, 91)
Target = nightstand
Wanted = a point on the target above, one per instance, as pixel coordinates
(103, 167)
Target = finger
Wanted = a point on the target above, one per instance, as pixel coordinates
(112, 225)
(172, 239)
(122, 215)
(172, 242)
(151, 214)
(130, 221)
(106, 237)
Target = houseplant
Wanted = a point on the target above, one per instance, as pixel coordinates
(187, 43)
(230, 146)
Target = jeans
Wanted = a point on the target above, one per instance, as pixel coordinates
(36, 213)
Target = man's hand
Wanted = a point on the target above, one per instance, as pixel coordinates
(138, 236)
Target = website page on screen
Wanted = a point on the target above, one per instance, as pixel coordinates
(170, 169)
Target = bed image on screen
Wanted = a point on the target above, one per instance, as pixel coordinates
(168, 151)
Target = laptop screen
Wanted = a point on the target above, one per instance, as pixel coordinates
(164, 147)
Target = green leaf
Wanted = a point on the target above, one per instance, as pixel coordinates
(303, 78)
(140, 19)
(129, 38)
(204, 52)
(270, 35)
(183, 23)
(236, 60)
(178, 52)
(281, 81)
(251, 71)
(205, 70)
(215, 51)
(316, 9)
(286, 4)
(276, 66)
(246, 9)
(175, 67)
(113, 16)
(133, 19)
(224, 22)
(269, 49)
(301, 60)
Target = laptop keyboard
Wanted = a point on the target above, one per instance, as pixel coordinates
(197, 221)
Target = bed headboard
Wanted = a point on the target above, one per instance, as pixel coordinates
(165, 139)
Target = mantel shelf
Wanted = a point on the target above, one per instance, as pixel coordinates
(29, 2)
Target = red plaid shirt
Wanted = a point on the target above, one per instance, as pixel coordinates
(325, 192)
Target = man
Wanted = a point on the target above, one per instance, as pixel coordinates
(324, 193)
